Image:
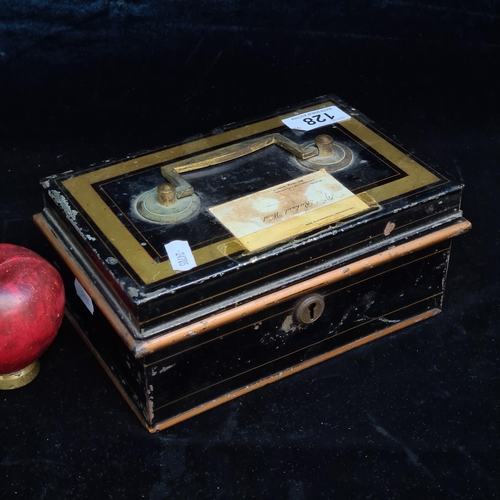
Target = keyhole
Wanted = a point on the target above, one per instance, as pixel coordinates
(309, 309)
(312, 306)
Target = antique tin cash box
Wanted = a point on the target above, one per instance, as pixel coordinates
(205, 270)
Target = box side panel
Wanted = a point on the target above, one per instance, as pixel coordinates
(119, 361)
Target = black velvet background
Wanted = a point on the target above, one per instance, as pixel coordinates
(413, 415)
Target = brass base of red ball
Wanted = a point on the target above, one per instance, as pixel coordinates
(31, 311)
(20, 378)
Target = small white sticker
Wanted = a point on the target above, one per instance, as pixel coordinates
(84, 296)
(180, 255)
(317, 118)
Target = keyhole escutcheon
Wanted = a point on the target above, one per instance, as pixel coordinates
(309, 308)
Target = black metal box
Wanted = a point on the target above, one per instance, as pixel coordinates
(208, 269)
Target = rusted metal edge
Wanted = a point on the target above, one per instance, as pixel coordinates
(290, 371)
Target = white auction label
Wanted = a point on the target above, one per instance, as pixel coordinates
(180, 255)
(84, 296)
(317, 118)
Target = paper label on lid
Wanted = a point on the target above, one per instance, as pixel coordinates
(180, 255)
(287, 210)
(317, 118)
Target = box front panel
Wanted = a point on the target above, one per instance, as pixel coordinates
(202, 369)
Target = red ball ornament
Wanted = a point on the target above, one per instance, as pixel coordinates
(31, 312)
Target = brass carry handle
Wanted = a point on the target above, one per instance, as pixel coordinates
(172, 171)
(175, 200)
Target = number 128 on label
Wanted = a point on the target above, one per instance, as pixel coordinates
(317, 118)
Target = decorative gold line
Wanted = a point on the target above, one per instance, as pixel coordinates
(417, 175)
(117, 234)
(147, 365)
(370, 320)
(137, 257)
(290, 371)
(362, 145)
(248, 283)
(145, 347)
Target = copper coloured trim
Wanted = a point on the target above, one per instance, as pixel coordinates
(145, 347)
(86, 283)
(290, 371)
(328, 254)
(107, 369)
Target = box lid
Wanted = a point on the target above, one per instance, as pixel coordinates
(244, 211)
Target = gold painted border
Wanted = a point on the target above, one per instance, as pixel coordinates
(149, 271)
(417, 175)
